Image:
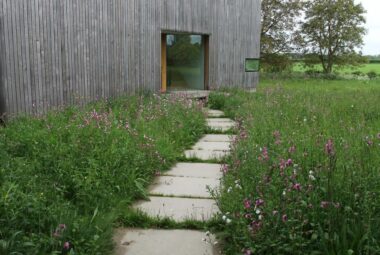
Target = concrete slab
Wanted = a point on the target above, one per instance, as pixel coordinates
(197, 170)
(164, 242)
(191, 94)
(215, 113)
(183, 186)
(217, 138)
(206, 154)
(221, 124)
(212, 146)
(179, 209)
(219, 120)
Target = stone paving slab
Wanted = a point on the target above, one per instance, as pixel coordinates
(206, 154)
(217, 138)
(220, 120)
(215, 113)
(179, 209)
(198, 170)
(183, 186)
(164, 242)
(221, 124)
(212, 146)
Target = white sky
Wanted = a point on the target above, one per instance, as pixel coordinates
(372, 38)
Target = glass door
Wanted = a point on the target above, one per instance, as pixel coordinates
(185, 62)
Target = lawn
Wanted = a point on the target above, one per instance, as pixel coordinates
(304, 176)
(366, 68)
(67, 178)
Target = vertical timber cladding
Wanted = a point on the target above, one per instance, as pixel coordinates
(2, 67)
(61, 52)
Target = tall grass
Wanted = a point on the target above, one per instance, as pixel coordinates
(304, 176)
(65, 177)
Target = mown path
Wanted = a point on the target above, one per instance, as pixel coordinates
(180, 194)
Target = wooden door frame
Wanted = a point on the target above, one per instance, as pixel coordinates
(164, 64)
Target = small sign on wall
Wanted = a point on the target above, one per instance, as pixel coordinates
(252, 64)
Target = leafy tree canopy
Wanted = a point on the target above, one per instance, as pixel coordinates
(333, 30)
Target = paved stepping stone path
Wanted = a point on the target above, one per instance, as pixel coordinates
(183, 193)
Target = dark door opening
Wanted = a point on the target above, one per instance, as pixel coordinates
(184, 62)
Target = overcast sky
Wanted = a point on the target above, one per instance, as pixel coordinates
(372, 38)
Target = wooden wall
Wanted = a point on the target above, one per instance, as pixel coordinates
(61, 52)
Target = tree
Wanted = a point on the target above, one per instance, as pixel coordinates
(333, 31)
(278, 20)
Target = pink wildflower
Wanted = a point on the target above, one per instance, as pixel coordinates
(265, 154)
(62, 226)
(289, 162)
(225, 168)
(325, 204)
(284, 218)
(247, 203)
(369, 142)
(282, 164)
(276, 134)
(66, 246)
(248, 252)
(329, 147)
(297, 187)
(292, 149)
(259, 202)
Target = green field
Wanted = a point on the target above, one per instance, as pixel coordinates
(298, 67)
(304, 176)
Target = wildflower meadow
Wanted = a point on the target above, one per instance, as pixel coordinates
(304, 176)
(65, 178)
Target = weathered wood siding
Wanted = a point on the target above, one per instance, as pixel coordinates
(60, 52)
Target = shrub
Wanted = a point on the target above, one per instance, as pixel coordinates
(372, 75)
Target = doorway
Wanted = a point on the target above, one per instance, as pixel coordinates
(184, 62)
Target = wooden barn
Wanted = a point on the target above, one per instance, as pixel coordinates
(60, 52)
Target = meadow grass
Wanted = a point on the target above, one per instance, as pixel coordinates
(68, 178)
(304, 174)
(365, 68)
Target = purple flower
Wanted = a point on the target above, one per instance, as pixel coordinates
(247, 203)
(369, 142)
(297, 187)
(265, 154)
(62, 226)
(292, 149)
(66, 246)
(289, 162)
(259, 202)
(329, 147)
(276, 134)
(224, 168)
(284, 218)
